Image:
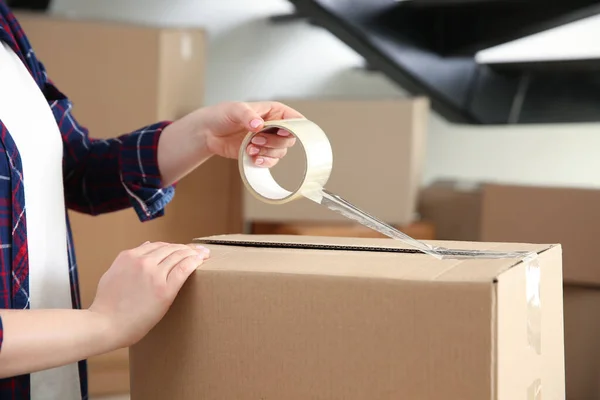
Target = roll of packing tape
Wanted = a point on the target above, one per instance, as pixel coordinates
(318, 156)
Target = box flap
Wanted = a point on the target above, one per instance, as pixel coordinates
(357, 257)
(351, 243)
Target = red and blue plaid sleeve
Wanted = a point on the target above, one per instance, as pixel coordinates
(101, 176)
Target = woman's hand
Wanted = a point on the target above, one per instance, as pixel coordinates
(220, 130)
(140, 286)
(133, 295)
(225, 126)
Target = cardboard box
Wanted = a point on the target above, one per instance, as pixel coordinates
(378, 150)
(493, 212)
(582, 342)
(454, 208)
(158, 75)
(569, 216)
(297, 317)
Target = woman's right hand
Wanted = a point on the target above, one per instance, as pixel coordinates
(140, 286)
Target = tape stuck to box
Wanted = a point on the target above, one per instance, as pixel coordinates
(534, 392)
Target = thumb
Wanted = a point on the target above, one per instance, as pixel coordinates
(243, 114)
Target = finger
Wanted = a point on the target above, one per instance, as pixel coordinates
(148, 247)
(175, 258)
(267, 152)
(266, 162)
(246, 116)
(161, 253)
(273, 141)
(276, 109)
(181, 272)
(286, 111)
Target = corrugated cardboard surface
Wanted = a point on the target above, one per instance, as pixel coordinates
(288, 317)
(378, 151)
(582, 342)
(116, 88)
(570, 216)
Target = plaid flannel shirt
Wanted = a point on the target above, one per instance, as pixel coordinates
(99, 176)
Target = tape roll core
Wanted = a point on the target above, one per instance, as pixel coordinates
(318, 157)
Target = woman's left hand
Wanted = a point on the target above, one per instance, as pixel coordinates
(225, 125)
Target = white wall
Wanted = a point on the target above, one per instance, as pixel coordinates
(574, 41)
(252, 59)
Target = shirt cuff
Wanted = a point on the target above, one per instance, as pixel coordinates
(140, 174)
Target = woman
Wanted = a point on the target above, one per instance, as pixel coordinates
(49, 163)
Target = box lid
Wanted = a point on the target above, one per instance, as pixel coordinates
(355, 257)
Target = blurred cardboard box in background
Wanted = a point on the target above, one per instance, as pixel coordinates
(570, 216)
(378, 158)
(517, 213)
(582, 342)
(454, 209)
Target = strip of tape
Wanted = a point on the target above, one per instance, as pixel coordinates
(318, 166)
(534, 391)
(534, 304)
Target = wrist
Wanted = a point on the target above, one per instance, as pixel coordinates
(182, 147)
(107, 332)
(200, 134)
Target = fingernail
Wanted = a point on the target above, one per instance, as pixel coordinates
(255, 123)
(283, 132)
(146, 242)
(253, 150)
(259, 140)
(201, 248)
(259, 161)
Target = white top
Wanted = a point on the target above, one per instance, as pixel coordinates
(29, 119)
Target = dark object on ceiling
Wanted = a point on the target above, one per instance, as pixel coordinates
(33, 5)
(428, 48)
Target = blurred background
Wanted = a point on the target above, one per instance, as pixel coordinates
(451, 119)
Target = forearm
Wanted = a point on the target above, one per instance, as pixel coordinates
(181, 149)
(35, 340)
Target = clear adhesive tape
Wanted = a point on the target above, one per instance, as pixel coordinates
(533, 275)
(318, 164)
(534, 391)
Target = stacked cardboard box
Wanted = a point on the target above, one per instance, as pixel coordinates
(379, 148)
(300, 317)
(157, 75)
(513, 213)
